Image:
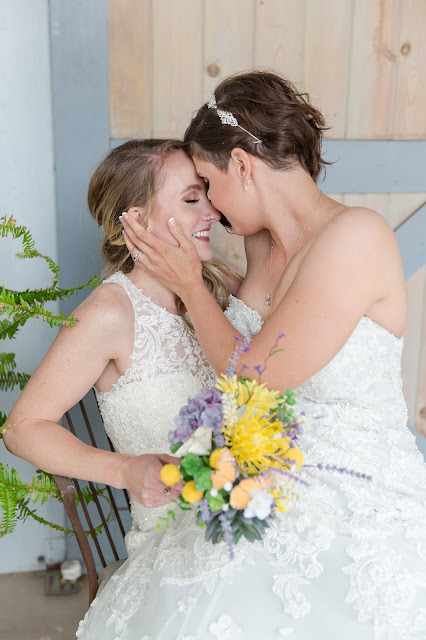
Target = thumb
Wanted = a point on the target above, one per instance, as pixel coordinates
(166, 459)
(177, 232)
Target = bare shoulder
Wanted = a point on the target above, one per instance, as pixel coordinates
(360, 221)
(107, 310)
(357, 230)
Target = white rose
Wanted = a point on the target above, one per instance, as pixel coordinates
(200, 443)
(260, 505)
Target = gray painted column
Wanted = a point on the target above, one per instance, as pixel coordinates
(79, 51)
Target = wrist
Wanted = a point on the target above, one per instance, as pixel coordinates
(120, 470)
(192, 290)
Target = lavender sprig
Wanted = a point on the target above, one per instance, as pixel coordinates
(241, 346)
(227, 534)
(334, 467)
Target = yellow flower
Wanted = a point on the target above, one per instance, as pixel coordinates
(190, 493)
(215, 457)
(295, 456)
(256, 398)
(257, 444)
(170, 474)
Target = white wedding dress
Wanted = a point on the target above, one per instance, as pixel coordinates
(347, 562)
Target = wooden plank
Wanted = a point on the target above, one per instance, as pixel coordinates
(375, 166)
(374, 54)
(395, 207)
(130, 44)
(280, 37)
(327, 47)
(229, 40)
(413, 343)
(229, 248)
(410, 99)
(177, 56)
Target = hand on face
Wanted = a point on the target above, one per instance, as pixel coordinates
(176, 267)
(142, 479)
(171, 250)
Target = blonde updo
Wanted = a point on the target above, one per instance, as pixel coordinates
(130, 176)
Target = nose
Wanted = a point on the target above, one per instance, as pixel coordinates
(211, 214)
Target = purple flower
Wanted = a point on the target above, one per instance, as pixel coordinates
(281, 335)
(206, 409)
(259, 369)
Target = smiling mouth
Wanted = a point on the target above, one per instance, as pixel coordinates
(202, 235)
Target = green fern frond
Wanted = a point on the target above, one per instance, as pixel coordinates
(23, 311)
(12, 380)
(3, 417)
(23, 512)
(8, 505)
(7, 362)
(8, 328)
(48, 294)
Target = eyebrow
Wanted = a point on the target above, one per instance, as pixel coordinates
(198, 187)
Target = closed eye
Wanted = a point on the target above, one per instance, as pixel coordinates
(192, 201)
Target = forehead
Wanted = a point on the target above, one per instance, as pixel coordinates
(179, 167)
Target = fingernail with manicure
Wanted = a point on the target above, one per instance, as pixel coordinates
(172, 222)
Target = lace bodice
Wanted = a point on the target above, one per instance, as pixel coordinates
(348, 560)
(167, 367)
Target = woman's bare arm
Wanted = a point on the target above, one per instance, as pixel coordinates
(71, 367)
(341, 277)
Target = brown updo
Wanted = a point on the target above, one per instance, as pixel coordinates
(130, 176)
(271, 108)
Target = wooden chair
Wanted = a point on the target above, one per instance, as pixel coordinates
(79, 424)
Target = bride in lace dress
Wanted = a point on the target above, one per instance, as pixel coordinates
(348, 560)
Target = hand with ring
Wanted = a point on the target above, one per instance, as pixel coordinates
(179, 268)
(142, 479)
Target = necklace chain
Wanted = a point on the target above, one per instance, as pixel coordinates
(271, 288)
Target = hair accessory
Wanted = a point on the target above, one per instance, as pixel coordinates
(226, 117)
(271, 288)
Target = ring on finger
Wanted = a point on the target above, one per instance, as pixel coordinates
(136, 255)
(166, 491)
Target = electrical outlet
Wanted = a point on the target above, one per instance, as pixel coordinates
(55, 550)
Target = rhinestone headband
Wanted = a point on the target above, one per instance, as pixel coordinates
(226, 117)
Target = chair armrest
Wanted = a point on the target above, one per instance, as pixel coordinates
(67, 490)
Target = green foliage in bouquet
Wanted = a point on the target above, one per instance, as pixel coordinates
(16, 307)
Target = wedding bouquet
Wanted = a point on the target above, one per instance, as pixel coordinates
(239, 457)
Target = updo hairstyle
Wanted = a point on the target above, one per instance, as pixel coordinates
(271, 108)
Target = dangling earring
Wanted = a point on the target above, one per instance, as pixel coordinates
(246, 185)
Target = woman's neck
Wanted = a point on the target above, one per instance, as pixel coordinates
(294, 208)
(159, 293)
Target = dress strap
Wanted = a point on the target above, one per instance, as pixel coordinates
(135, 294)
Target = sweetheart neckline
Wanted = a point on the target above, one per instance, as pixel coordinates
(376, 324)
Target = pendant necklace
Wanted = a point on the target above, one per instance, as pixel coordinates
(271, 288)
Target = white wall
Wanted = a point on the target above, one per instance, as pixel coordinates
(26, 192)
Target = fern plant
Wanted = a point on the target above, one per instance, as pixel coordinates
(16, 308)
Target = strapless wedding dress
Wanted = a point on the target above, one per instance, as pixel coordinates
(346, 562)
